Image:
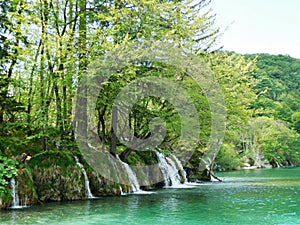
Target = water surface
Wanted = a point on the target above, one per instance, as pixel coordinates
(245, 197)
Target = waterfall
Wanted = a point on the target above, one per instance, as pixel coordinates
(14, 193)
(179, 164)
(113, 162)
(170, 168)
(132, 177)
(173, 172)
(86, 179)
(121, 190)
(16, 203)
(163, 165)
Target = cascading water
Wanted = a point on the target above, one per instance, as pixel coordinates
(170, 170)
(179, 164)
(114, 162)
(16, 204)
(163, 165)
(173, 172)
(86, 179)
(132, 177)
(16, 201)
(94, 148)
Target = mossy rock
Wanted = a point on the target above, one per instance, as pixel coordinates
(101, 187)
(25, 187)
(58, 183)
(193, 175)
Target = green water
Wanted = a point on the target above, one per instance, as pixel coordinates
(245, 197)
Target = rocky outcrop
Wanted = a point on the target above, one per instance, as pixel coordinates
(62, 179)
(149, 177)
(104, 187)
(25, 186)
(56, 183)
(195, 175)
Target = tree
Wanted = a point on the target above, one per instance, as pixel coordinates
(296, 121)
(9, 51)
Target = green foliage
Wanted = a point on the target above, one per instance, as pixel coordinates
(274, 141)
(8, 168)
(278, 86)
(263, 114)
(52, 157)
(46, 84)
(40, 72)
(235, 76)
(141, 158)
(228, 159)
(296, 121)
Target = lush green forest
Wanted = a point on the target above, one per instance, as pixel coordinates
(48, 46)
(272, 130)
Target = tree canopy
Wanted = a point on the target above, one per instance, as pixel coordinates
(48, 46)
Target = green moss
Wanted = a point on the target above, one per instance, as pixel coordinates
(30, 181)
(52, 157)
(138, 158)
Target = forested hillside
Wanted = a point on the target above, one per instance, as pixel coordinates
(272, 133)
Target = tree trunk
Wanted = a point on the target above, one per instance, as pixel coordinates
(211, 172)
(125, 154)
(114, 117)
(81, 103)
(101, 126)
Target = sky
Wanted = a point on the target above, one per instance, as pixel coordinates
(259, 26)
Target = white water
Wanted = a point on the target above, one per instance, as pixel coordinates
(112, 160)
(88, 192)
(132, 178)
(121, 190)
(16, 200)
(179, 164)
(170, 172)
(135, 186)
(163, 165)
(94, 148)
(173, 172)
(170, 168)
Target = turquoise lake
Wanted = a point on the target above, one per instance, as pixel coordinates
(267, 196)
